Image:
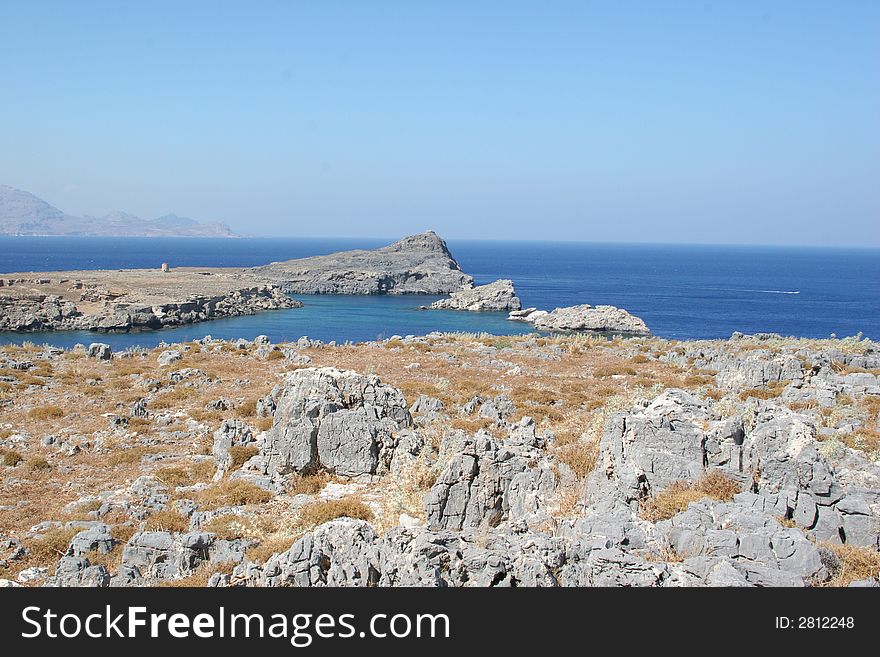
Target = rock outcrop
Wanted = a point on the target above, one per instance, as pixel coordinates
(336, 421)
(599, 319)
(499, 296)
(420, 264)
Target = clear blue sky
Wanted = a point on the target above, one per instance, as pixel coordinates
(676, 121)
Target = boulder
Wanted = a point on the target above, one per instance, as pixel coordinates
(499, 296)
(334, 420)
(602, 319)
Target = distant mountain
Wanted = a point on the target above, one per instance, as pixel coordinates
(22, 213)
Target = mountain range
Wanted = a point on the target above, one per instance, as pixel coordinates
(22, 213)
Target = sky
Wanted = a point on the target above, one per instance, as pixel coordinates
(653, 121)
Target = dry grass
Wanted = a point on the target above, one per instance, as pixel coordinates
(309, 484)
(235, 492)
(167, 520)
(862, 438)
(269, 546)
(46, 413)
(36, 463)
(317, 513)
(186, 475)
(10, 457)
(580, 456)
(856, 563)
(241, 453)
(47, 548)
(772, 391)
(679, 494)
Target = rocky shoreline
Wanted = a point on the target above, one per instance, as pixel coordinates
(458, 461)
(131, 300)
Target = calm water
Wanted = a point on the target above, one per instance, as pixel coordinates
(680, 291)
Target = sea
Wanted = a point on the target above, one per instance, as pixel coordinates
(681, 291)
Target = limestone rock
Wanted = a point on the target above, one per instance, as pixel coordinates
(419, 264)
(604, 319)
(499, 296)
(334, 420)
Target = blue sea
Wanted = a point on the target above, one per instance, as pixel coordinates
(681, 291)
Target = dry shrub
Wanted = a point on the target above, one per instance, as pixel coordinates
(232, 526)
(46, 413)
(317, 513)
(248, 408)
(276, 354)
(862, 438)
(309, 484)
(263, 423)
(679, 494)
(696, 380)
(580, 456)
(135, 423)
(10, 457)
(855, 563)
(123, 533)
(167, 520)
(638, 359)
(235, 492)
(36, 463)
(125, 456)
(178, 475)
(240, 454)
(613, 370)
(472, 426)
(772, 391)
(48, 547)
(268, 547)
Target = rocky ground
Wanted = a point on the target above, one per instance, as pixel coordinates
(131, 299)
(444, 460)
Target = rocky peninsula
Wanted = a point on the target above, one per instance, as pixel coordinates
(419, 264)
(131, 299)
(443, 460)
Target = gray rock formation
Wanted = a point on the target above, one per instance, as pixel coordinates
(486, 482)
(420, 264)
(604, 319)
(99, 351)
(499, 296)
(27, 311)
(334, 420)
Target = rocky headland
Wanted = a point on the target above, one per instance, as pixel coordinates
(130, 300)
(419, 264)
(443, 460)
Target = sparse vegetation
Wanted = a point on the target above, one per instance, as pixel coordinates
(853, 564)
(679, 494)
(317, 513)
